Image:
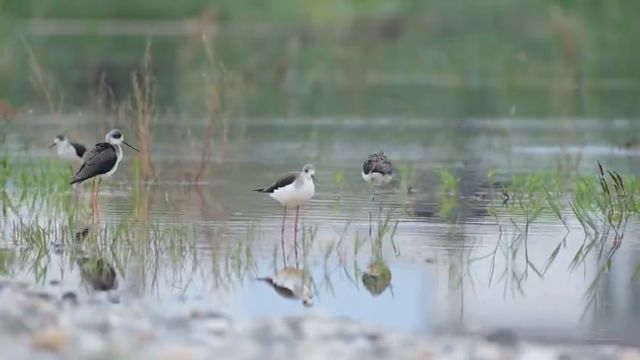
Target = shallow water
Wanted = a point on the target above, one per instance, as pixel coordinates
(454, 267)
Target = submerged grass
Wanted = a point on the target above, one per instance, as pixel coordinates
(148, 250)
(602, 204)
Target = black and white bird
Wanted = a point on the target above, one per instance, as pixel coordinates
(293, 189)
(103, 159)
(376, 170)
(68, 150)
(290, 283)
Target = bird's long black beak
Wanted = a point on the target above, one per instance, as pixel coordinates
(52, 145)
(315, 179)
(129, 145)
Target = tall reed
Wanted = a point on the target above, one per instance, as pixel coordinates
(143, 107)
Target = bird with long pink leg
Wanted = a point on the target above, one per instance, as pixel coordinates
(293, 189)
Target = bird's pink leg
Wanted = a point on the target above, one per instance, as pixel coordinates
(284, 216)
(97, 194)
(93, 201)
(295, 235)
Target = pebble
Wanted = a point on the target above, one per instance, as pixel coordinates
(179, 352)
(504, 337)
(70, 297)
(53, 340)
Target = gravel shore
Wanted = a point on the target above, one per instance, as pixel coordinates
(36, 324)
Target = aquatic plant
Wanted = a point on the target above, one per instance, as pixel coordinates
(218, 90)
(144, 107)
(43, 82)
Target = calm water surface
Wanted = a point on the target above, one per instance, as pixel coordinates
(453, 266)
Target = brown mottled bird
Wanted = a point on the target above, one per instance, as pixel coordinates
(376, 170)
(98, 273)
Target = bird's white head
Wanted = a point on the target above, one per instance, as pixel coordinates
(59, 140)
(115, 137)
(309, 172)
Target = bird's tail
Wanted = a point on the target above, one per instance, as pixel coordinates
(76, 180)
(76, 177)
(259, 190)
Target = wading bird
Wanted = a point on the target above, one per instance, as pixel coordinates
(376, 170)
(68, 150)
(102, 160)
(293, 189)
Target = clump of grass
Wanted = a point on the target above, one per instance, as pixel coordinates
(106, 104)
(144, 106)
(33, 241)
(7, 261)
(615, 202)
(449, 194)
(308, 239)
(448, 182)
(338, 177)
(217, 92)
(404, 173)
(43, 83)
(213, 107)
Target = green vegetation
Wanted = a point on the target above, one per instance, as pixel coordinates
(403, 58)
(275, 10)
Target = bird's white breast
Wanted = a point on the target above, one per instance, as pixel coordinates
(68, 153)
(291, 195)
(293, 280)
(376, 178)
(118, 159)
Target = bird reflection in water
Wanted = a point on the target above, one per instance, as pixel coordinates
(292, 283)
(376, 278)
(98, 273)
(82, 234)
(377, 172)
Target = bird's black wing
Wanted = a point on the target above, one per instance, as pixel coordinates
(97, 161)
(366, 167)
(282, 291)
(281, 182)
(80, 149)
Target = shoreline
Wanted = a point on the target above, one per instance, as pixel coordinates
(37, 324)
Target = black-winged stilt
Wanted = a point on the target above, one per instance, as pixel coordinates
(290, 283)
(102, 160)
(293, 189)
(68, 150)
